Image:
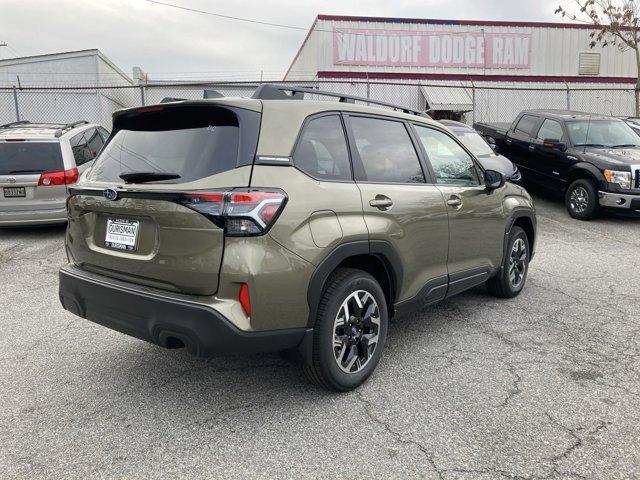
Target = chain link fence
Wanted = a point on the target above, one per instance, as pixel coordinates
(466, 101)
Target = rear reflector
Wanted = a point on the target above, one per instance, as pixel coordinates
(243, 297)
(67, 177)
(240, 212)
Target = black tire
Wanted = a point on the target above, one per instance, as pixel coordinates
(503, 285)
(325, 371)
(581, 199)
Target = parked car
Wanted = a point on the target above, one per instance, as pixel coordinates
(483, 150)
(594, 160)
(38, 163)
(238, 225)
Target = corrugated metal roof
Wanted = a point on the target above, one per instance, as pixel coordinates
(453, 97)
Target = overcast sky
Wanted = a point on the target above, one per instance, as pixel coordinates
(172, 43)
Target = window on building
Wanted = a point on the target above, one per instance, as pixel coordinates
(386, 152)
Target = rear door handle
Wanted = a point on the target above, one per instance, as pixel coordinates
(508, 141)
(532, 147)
(381, 202)
(455, 201)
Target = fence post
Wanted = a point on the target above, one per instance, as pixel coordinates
(142, 94)
(368, 88)
(568, 96)
(473, 103)
(15, 101)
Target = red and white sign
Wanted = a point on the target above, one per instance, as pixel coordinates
(403, 48)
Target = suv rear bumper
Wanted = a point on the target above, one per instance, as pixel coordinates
(160, 319)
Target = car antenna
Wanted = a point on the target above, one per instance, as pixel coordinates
(586, 139)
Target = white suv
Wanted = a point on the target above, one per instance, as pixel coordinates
(38, 161)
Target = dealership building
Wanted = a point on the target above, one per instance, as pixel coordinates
(455, 65)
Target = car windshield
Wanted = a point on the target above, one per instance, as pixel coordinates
(605, 133)
(474, 142)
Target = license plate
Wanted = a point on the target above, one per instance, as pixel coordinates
(121, 234)
(14, 192)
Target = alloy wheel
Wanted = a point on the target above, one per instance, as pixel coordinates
(579, 199)
(355, 331)
(517, 263)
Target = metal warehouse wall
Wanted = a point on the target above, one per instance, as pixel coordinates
(554, 50)
(40, 82)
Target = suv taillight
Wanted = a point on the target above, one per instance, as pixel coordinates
(240, 212)
(68, 177)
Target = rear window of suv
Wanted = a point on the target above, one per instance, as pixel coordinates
(192, 142)
(24, 158)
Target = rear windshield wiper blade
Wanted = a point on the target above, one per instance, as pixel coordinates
(144, 177)
(27, 171)
(626, 145)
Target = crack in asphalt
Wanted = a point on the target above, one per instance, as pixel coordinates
(577, 443)
(397, 435)
(515, 386)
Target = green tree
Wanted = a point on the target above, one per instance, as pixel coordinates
(615, 24)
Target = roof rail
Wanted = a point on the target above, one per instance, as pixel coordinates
(13, 124)
(69, 126)
(273, 91)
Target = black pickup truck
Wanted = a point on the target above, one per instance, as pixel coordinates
(593, 160)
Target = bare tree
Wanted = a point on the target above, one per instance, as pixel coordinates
(615, 23)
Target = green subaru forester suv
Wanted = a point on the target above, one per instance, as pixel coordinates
(276, 223)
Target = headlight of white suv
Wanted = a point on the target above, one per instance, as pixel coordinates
(621, 178)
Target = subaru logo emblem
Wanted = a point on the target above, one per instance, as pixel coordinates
(11, 179)
(110, 194)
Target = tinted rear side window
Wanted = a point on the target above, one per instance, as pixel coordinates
(86, 145)
(322, 150)
(526, 124)
(191, 142)
(386, 152)
(17, 158)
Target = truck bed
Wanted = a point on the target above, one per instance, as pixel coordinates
(495, 130)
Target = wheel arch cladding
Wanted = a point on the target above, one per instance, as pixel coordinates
(378, 258)
(524, 219)
(527, 225)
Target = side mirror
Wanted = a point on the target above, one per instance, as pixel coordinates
(493, 180)
(491, 141)
(553, 143)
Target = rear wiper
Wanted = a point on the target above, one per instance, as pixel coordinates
(590, 145)
(27, 171)
(144, 177)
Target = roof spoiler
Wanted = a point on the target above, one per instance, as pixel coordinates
(272, 91)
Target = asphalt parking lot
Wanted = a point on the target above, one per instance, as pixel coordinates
(543, 386)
